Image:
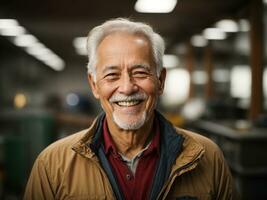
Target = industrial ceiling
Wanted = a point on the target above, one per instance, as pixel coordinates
(57, 22)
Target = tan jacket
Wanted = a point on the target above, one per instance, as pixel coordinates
(68, 169)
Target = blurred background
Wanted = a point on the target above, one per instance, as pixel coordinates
(216, 78)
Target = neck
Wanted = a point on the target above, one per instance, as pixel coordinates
(130, 142)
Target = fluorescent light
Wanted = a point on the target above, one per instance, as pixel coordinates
(7, 23)
(45, 57)
(198, 41)
(55, 63)
(174, 95)
(265, 1)
(170, 61)
(214, 34)
(80, 45)
(11, 27)
(227, 25)
(155, 6)
(42, 53)
(240, 81)
(38, 49)
(12, 31)
(25, 40)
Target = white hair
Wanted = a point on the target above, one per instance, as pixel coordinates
(97, 34)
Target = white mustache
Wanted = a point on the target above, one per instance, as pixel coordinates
(121, 97)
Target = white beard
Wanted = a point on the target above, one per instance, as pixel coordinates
(133, 125)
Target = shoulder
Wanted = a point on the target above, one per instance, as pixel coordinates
(193, 137)
(214, 165)
(212, 161)
(61, 148)
(212, 156)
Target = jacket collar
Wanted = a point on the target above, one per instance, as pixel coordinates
(87, 144)
(191, 150)
(187, 160)
(191, 153)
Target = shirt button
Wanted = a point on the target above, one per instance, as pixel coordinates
(128, 177)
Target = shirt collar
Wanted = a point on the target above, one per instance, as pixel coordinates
(109, 145)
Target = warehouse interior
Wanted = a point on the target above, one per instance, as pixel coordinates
(216, 61)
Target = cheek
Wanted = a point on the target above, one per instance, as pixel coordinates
(151, 86)
(105, 93)
(151, 89)
(105, 90)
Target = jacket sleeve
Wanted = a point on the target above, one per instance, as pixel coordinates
(39, 186)
(225, 187)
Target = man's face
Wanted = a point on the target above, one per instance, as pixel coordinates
(126, 80)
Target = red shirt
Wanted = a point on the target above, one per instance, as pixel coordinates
(133, 186)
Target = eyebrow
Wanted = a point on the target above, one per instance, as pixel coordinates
(144, 66)
(135, 66)
(109, 68)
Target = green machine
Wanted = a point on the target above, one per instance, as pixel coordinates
(24, 134)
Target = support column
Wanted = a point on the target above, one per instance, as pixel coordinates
(256, 58)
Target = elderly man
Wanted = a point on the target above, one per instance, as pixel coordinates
(130, 151)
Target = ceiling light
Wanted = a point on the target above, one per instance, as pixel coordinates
(214, 34)
(42, 53)
(6, 23)
(198, 41)
(173, 96)
(45, 57)
(38, 49)
(11, 27)
(12, 31)
(80, 45)
(227, 25)
(155, 6)
(170, 61)
(55, 63)
(25, 40)
(240, 78)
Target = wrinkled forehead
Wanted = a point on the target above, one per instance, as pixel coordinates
(124, 51)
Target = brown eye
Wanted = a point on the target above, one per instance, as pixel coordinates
(111, 76)
(140, 74)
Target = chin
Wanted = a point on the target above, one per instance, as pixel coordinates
(130, 124)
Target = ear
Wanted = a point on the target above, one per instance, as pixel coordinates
(93, 86)
(162, 78)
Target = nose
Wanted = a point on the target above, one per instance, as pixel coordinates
(127, 85)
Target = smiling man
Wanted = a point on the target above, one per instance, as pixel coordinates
(131, 151)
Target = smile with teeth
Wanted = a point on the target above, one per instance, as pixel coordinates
(128, 103)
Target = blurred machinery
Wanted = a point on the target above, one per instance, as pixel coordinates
(244, 146)
(23, 135)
